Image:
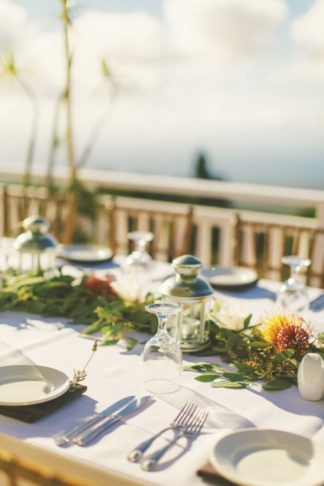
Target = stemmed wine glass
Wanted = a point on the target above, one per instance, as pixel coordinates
(162, 354)
(293, 293)
(139, 258)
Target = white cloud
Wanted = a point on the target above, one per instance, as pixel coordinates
(307, 33)
(14, 24)
(133, 44)
(308, 30)
(177, 100)
(138, 47)
(20, 38)
(224, 28)
(129, 38)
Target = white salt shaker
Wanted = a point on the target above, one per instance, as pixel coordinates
(310, 377)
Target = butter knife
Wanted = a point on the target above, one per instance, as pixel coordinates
(85, 437)
(66, 437)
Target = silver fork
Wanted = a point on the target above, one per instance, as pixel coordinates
(178, 423)
(191, 431)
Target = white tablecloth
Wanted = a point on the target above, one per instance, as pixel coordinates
(115, 373)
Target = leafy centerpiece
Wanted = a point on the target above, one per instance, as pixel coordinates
(270, 350)
(101, 302)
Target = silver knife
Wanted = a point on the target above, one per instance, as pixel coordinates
(91, 433)
(66, 437)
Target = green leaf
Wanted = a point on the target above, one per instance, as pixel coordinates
(108, 341)
(259, 344)
(206, 378)
(235, 376)
(229, 384)
(210, 351)
(199, 367)
(233, 339)
(247, 370)
(131, 343)
(95, 326)
(205, 367)
(283, 355)
(320, 351)
(247, 321)
(213, 327)
(277, 384)
(105, 69)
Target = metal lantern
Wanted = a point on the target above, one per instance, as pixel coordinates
(192, 292)
(36, 248)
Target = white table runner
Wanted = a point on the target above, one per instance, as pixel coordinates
(115, 373)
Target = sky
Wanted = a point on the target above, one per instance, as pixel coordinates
(240, 80)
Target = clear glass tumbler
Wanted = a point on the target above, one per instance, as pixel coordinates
(139, 258)
(162, 356)
(293, 294)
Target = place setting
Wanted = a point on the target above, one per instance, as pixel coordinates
(185, 334)
(230, 278)
(264, 458)
(85, 254)
(88, 431)
(161, 243)
(30, 392)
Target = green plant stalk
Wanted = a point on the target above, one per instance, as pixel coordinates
(93, 137)
(54, 143)
(9, 69)
(33, 134)
(98, 126)
(69, 137)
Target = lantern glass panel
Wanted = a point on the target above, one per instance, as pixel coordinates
(36, 248)
(192, 292)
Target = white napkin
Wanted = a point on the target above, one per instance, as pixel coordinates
(219, 417)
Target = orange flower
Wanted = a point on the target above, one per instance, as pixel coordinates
(273, 325)
(294, 337)
(288, 332)
(100, 285)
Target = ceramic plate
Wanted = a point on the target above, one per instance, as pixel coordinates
(85, 253)
(258, 457)
(22, 385)
(230, 277)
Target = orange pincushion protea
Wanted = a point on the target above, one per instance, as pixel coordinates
(273, 325)
(288, 332)
(294, 337)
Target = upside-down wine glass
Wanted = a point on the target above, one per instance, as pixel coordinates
(139, 258)
(293, 293)
(162, 355)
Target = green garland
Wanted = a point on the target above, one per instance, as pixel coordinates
(249, 355)
(65, 296)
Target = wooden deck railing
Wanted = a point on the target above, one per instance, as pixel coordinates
(213, 235)
(191, 187)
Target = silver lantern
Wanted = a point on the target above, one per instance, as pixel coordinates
(193, 293)
(36, 248)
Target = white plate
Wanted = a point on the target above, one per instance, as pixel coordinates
(85, 253)
(230, 277)
(19, 384)
(257, 457)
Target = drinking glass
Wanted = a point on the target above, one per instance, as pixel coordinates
(162, 355)
(139, 258)
(293, 293)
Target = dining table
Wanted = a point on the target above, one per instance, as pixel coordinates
(114, 373)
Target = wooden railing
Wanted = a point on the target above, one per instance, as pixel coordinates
(213, 236)
(213, 239)
(238, 192)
